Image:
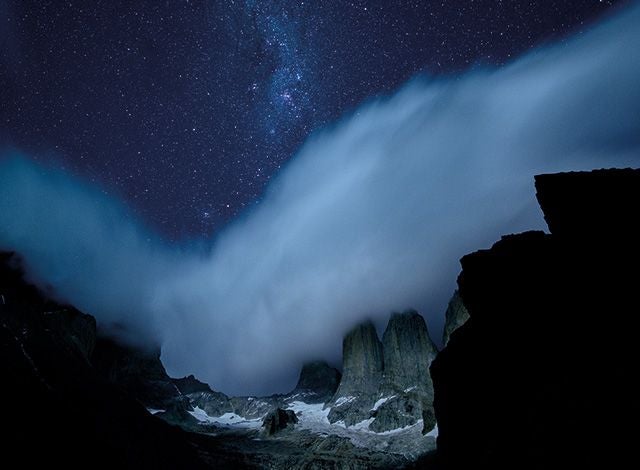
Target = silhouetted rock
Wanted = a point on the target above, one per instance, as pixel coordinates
(138, 370)
(277, 420)
(190, 384)
(455, 316)
(544, 373)
(61, 412)
(318, 382)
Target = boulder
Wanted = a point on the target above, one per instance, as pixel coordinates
(278, 420)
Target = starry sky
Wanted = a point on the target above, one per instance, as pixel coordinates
(186, 108)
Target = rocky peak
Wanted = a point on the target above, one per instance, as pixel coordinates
(362, 361)
(408, 352)
(138, 370)
(190, 384)
(593, 205)
(455, 316)
(318, 381)
(552, 336)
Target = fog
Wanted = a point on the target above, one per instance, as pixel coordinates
(371, 215)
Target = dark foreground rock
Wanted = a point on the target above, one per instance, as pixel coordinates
(60, 412)
(190, 384)
(278, 420)
(544, 373)
(137, 369)
(455, 316)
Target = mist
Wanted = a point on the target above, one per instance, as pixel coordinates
(371, 216)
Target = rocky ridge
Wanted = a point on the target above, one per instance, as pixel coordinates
(61, 411)
(544, 372)
(386, 384)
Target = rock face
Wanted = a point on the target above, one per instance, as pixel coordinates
(278, 420)
(60, 411)
(138, 370)
(190, 384)
(362, 361)
(318, 382)
(455, 316)
(388, 382)
(408, 352)
(549, 355)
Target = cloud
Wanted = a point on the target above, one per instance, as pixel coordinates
(370, 216)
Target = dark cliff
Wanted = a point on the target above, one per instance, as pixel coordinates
(59, 410)
(455, 316)
(544, 373)
(362, 361)
(408, 352)
(318, 382)
(138, 370)
(389, 381)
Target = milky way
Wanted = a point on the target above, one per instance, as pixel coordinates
(186, 109)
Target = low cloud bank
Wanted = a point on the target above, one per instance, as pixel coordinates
(371, 215)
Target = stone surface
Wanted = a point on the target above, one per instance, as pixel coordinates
(393, 390)
(62, 413)
(455, 316)
(190, 384)
(408, 352)
(318, 382)
(362, 362)
(397, 412)
(362, 359)
(544, 373)
(278, 420)
(138, 370)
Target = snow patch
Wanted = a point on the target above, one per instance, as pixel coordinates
(344, 400)
(363, 425)
(154, 411)
(228, 420)
(433, 433)
(381, 401)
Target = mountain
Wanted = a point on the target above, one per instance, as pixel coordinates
(386, 384)
(455, 316)
(544, 372)
(318, 382)
(190, 384)
(137, 369)
(60, 410)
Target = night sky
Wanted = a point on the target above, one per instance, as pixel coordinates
(186, 109)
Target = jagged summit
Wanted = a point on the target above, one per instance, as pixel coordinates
(408, 352)
(190, 384)
(318, 382)
(386, 383)
(362, 361)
